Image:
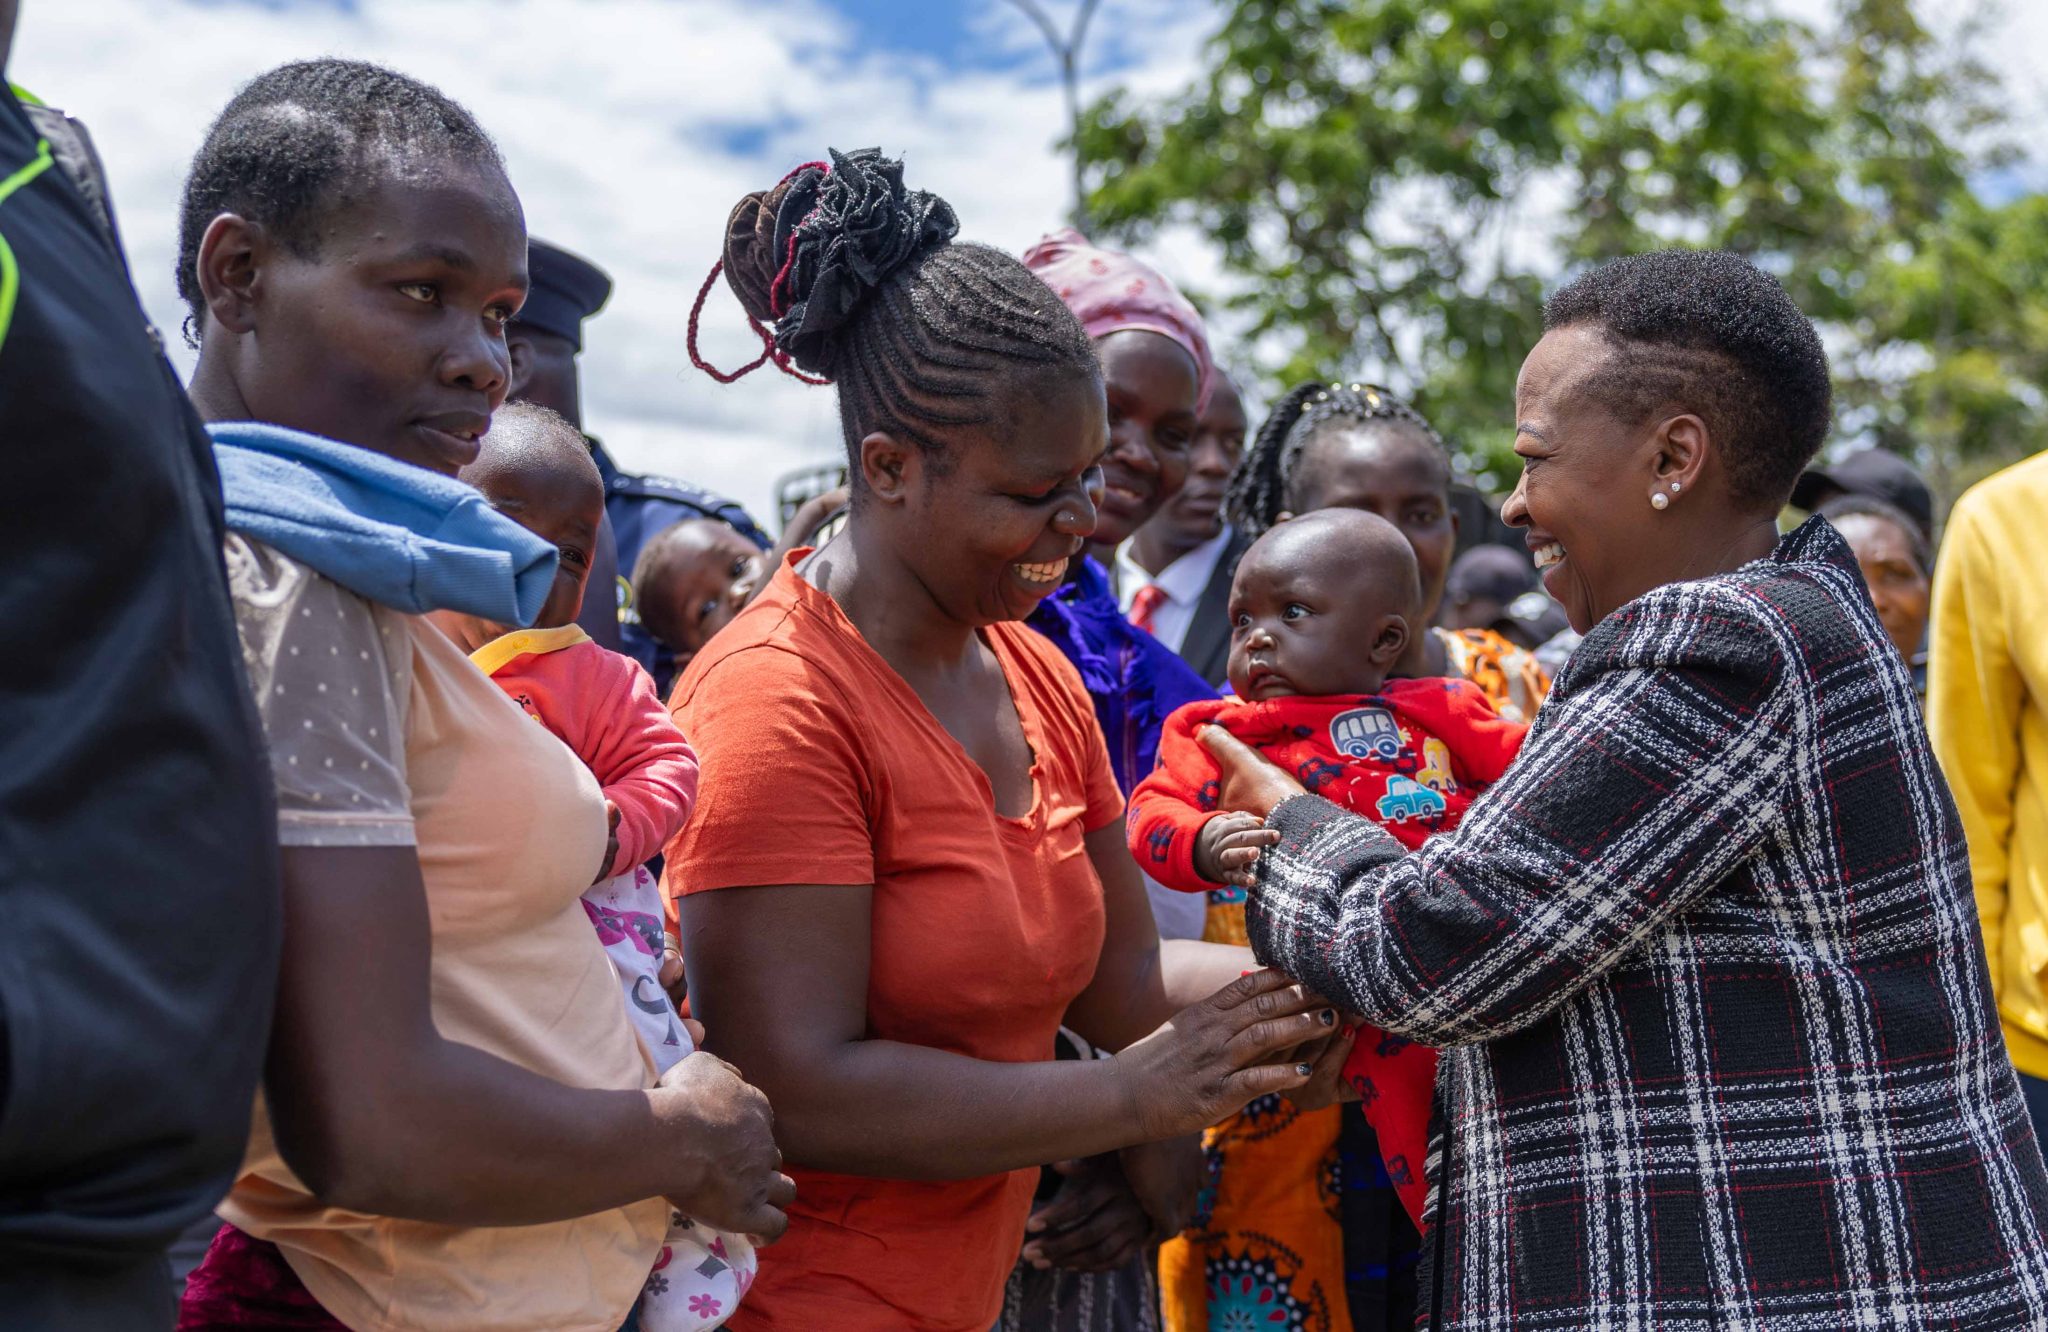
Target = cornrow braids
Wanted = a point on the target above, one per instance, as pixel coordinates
(285, 149)
(1260, 487)
(867, 290)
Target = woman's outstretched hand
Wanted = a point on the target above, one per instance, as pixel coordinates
(1249, 782)
(1211, 1058)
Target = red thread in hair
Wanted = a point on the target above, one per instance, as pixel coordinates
(696, 312)
(778, 306)
(769, 351)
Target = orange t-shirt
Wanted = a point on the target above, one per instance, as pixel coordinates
(822, 766)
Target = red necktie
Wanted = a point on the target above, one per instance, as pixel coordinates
(1146, 604)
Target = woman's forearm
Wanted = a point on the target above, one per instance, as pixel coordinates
(476, 1141)
(1141, 981)
(1193, 969)
(1131, 998)
(377, 1112)
(899, 1111)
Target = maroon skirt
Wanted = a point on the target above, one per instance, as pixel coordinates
(245, 1282)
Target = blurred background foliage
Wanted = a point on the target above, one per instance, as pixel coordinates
(1394, 184)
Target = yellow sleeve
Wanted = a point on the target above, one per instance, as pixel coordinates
(1974, 697)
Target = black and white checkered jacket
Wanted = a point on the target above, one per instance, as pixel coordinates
(1719, 1047)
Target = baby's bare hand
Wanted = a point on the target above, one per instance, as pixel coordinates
(1227, 849)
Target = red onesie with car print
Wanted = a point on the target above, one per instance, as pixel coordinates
(1410, 758)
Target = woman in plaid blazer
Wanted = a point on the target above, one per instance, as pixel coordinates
(1719, 1046)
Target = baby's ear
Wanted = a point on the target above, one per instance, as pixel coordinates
(1390, 641)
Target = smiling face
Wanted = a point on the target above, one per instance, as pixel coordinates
(1393, 471)
(1898, 585)
(1151, 385)
(986, 526)
(1196, 514)
(1585, 473)
(1321, 605)
(990, 529)
(693, 579)
(390, 335)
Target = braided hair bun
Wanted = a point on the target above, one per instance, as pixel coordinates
(806, 254)
(926, 338)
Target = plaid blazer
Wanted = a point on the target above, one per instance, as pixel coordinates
(1719, 1047)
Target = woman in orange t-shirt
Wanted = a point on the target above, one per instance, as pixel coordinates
(909, 792)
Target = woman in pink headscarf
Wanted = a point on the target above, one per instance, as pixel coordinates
(1087, 1264)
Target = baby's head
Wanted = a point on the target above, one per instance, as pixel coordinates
(1321, 605)
(535, 468)
(691, 579)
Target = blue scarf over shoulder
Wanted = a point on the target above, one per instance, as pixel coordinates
(1133, 678)
(394, 533)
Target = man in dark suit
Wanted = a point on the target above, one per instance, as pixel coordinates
(1174, 575)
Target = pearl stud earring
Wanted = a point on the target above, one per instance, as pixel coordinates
(1659, 501)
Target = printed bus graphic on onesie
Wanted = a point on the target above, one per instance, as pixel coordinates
(1366, 733)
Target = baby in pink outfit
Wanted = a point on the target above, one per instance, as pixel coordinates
(536, 469)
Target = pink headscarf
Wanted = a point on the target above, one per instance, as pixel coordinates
(1109, 292)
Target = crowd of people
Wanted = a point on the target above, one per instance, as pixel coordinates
(1117, 863)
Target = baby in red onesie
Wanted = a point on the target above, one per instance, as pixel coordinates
(1321, 608)
(536, 469)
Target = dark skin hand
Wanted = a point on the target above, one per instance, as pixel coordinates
(1097, 1222)
(1227, 849)
(354, 1052)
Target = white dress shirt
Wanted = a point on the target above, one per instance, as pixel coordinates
(1182, 582)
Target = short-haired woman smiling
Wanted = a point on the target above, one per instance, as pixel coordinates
(1719, 1047)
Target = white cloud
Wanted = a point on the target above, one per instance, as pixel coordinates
(617, 119)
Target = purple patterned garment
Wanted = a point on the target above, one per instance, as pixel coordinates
(1133, 679)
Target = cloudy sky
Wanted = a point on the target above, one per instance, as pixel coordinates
(630, 127)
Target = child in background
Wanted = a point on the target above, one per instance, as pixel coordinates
(1320, 609)
(691, 578)
(535, 468)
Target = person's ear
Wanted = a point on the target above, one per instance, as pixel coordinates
(233, 253)
(1681, 444)
(519, 350)
(1283, 516)
(1389, 641)
(889, 467)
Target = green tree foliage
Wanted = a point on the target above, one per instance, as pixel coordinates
(1395, 183)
